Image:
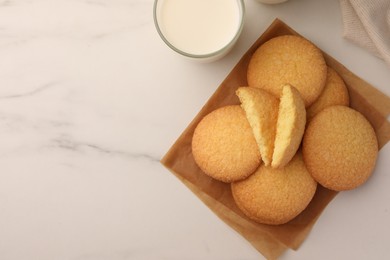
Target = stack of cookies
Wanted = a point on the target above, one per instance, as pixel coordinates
(293, 130)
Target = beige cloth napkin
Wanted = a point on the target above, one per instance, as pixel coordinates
(367, 23)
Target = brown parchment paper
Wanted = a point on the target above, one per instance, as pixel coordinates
(271, 241)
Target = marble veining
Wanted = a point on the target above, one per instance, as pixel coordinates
(30, 93)
(67, 143)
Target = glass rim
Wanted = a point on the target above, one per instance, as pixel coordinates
(241, 6)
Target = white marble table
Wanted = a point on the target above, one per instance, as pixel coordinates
(91, 99)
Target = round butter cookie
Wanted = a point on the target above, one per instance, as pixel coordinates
(290, 60)
(340, 148)
(223, 145)
(275, 196)
(335, 93)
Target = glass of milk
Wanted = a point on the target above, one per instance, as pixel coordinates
(202, 30)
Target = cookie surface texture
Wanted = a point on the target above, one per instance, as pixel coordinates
(335, 93)
(275, 196)
(290, 60)
(223, 145)
(340, 148)
(261, 109)
(290, 126)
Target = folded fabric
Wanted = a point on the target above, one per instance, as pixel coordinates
(367, 23)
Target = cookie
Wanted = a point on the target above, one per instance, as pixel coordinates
(261, 109)
(335, 93)
(290, 60)
(340, 148)
(275, 196)
(290, 126)
(223, 145)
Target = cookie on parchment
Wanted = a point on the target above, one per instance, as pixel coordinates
(290, 126)
(261, 109)
(335, 93)
(288, 59)
(223, 145)
(275, 196)
(340, 148)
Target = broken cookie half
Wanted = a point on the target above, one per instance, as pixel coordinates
(290, 126)
(261, 109)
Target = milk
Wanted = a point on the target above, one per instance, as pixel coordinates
(199, 27)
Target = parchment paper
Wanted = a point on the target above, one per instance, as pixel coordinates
(271, 241)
